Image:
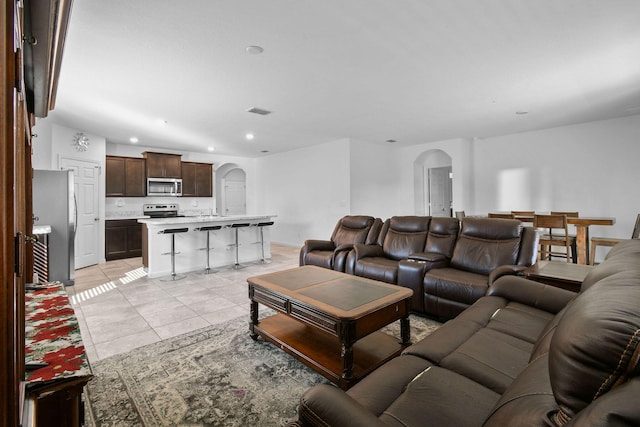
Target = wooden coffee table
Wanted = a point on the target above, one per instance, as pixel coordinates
(330, 321)
(560, 274)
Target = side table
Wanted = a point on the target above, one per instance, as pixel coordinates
(560, 274)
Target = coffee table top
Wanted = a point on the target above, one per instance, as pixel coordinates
(337, 293)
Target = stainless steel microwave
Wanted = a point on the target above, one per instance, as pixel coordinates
(164, 187)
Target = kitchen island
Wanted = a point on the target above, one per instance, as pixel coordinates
(156, 246)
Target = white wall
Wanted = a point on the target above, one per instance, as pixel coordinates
(308, 189)
(591, 168)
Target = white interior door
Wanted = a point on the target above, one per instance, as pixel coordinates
(440, 193)
(86, 188)
(235, 198)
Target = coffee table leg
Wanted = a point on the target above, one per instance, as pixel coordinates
(254, 319)
(405, 331)
(347, 361)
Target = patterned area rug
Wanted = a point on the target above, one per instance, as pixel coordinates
(216, 376)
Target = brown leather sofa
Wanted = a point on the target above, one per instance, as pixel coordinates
(526, 354)
(400, 237)
(332, 254)
(486, 248)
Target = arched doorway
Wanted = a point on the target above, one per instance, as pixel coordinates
(433, 180)
(232, 190)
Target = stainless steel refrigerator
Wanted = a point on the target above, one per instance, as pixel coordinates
(54, 204)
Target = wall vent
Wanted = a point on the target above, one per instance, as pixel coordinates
(260, 111)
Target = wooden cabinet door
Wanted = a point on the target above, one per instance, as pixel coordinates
(135, 177)
(134, 240)
(172, 166)
(115, 176)
(162, 165)
(189, 179)
(155, 165)
(115, 241)
(204, 180)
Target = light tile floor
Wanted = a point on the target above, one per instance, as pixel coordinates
(119, 308)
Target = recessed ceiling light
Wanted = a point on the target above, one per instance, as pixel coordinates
(133, 139)
(391, 141)
(249, 136)
(254, 50)
(264, 151)
(210, 149)
(522, 113)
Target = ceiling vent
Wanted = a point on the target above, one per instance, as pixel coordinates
(260, 111)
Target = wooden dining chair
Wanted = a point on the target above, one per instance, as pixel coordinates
(524, 216)
(557, 236)
(500, 215)
(569, 214)
(611, 241)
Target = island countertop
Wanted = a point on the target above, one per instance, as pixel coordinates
(252, 244)
(201, 219)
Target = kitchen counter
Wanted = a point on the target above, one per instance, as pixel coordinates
(191, 245)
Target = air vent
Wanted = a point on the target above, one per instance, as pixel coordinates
(260, 111)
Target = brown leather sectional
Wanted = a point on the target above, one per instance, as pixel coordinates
(447, 263)
(525, 354)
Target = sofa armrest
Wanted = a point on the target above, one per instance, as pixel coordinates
(314, 245)
(505, 270)
(326, 405)
(363, 251)
(534, 294)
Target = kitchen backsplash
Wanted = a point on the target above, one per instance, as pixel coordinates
(131, 207)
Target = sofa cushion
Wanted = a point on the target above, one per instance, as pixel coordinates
(486, 243)
(405, 235)
(378, 268)
(490, 342)
(457, 285)
(352, 229)
(319, 258)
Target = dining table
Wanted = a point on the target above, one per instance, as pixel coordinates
(582, 225)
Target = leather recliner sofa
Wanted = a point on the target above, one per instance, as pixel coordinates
(486, 248)
(332, 254)
(403, 237)
(526, 354)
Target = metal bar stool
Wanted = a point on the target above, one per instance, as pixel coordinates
(237, 243)
(208, 228)
(261, 225)
(173, 253)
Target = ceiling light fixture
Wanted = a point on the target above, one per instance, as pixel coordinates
(254, 50)
(391, 141)
(133, 140)
(260, 111)
(522, 113)
(249, 136)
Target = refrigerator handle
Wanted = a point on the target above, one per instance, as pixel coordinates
(75, 222)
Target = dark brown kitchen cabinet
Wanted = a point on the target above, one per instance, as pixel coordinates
(197, 180)
(122, 239)
(126, 177)
(163, 165)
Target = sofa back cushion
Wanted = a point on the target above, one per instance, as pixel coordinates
(442, 236)
(486, 243)
(596, 345)
(404, 235)
(352, 229)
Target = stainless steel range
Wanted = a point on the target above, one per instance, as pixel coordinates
(161, 210)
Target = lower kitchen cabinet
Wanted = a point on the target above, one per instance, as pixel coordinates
(122, 239)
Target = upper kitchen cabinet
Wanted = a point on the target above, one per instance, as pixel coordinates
(197, 179)
(126, 177)
(163, 165)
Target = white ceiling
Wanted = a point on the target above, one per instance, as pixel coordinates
(414, 71)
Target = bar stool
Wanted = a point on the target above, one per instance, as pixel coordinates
(261, 225)
(173, 232)
(237, 243)
(208, 228)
